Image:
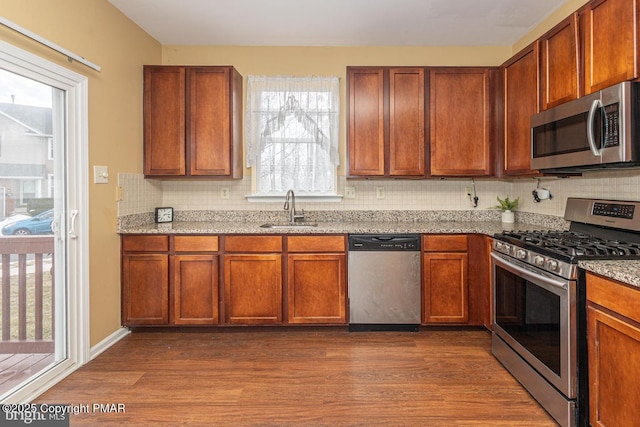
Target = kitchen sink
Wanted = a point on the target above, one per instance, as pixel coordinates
(290, 225)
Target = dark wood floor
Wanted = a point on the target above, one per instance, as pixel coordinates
(301, 377)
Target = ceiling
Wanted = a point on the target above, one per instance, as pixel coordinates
(338, 22)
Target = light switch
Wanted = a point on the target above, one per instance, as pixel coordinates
(100, 175)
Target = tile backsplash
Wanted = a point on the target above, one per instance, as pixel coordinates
(142, 195)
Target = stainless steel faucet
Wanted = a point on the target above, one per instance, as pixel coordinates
(293, 215)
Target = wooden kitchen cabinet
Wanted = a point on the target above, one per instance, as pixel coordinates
(316, 279)
(253, 279)
(192, 122)
(613, 324)
(386, 121)
(460, 121)
(560, 63)
(610, 36)
(444, 279)
(521, 99)
(195, 280)
(145, 280)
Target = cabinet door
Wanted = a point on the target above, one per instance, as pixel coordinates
(614, 377)
(209, 121)
(560, 63)
(460, 122)
(521, 88)
(195, 289)
(145, 289)
(610, 43)
(406, 122)
(317, 288)
(444, 277)
(366, 122)
(164, 121)
(253, 288)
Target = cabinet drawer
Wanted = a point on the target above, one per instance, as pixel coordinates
(195, 243)
(618, 297)
(315, 244)
(253, 244)
(444, 243)
(145, 243)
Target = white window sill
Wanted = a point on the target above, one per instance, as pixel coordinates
(313, 198)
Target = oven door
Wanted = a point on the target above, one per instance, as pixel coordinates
(535, 314)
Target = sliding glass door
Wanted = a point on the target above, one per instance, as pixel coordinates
(43, 319)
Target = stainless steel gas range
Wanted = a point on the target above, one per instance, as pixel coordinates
(539, 320)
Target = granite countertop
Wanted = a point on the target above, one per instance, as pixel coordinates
(626, 271)
(362, 227)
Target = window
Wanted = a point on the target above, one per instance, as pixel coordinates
(292, 134)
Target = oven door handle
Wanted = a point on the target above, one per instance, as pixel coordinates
(516, 268)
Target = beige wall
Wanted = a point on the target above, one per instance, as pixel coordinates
(99, 32)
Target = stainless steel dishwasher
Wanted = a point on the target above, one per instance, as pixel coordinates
(384, 282)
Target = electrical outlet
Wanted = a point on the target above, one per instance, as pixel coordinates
(379, 192)
(224, 193)
(119, 194)
(349, 192)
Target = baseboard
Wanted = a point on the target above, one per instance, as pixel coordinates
(97, 349)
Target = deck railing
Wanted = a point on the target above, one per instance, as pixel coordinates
(27, 294)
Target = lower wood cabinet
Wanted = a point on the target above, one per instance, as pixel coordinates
(253, 279)
(145, 289)
(253, 288)
(613, 325)
(145, 280)
(195, 289)
(181, 280)
(316, 279)
(444, 279)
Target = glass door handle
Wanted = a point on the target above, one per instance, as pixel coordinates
(72, 224)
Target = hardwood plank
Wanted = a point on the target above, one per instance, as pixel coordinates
(301, 377)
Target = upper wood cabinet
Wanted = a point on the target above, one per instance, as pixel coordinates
(192, 122)
(521, 88)
(460, 121)
(610, 42)
(386, 121)
(560, 63)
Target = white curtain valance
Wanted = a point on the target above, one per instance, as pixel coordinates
(279, 108)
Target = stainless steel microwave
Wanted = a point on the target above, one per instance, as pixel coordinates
(600, 130)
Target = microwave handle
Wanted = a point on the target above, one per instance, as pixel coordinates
(590, 121)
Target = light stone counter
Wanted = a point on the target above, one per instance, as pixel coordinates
(365, 227)
(625, 271)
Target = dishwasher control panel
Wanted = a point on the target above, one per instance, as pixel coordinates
(384, 242)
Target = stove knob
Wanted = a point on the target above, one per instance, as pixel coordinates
(538, 260)
(552, 265)
(521, 254)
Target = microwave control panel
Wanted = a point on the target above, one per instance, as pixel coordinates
(611, 137)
